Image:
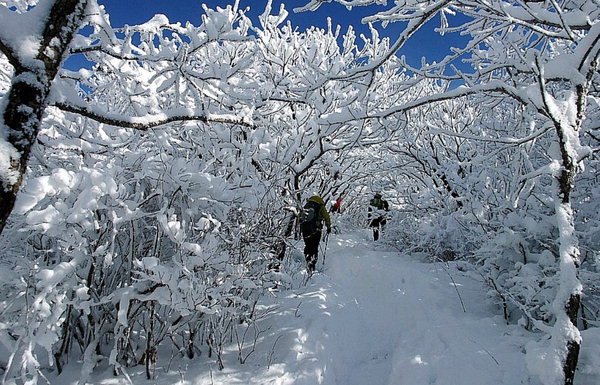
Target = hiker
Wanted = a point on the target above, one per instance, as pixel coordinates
(377, 206)
(312, 216)
(336, 208)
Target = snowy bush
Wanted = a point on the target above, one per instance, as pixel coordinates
(167, 229)
(124, 240)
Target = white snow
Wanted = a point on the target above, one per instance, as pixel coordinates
(22, 31)
(370, 316)
(8, 154)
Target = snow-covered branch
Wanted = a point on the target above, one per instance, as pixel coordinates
(150, 121)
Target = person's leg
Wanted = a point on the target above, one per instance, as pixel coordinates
(375, 225)
(307, 246)
(311, 250)
(311, 263)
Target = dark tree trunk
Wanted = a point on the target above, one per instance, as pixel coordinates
(572, 346)
(28, 95)
(571, 307)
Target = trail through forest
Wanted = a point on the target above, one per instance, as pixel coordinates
(377, 317)
(370, 316)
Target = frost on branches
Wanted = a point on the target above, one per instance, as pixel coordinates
(157, 204)
(506, 189)
(161, 184)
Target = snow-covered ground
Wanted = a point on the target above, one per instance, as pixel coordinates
(370, 317)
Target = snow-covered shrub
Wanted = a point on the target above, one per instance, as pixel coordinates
(465, 192)
(127, 239)
(129, 249)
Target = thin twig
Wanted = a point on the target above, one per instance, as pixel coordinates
(272, 352)
(455, 287)
(485, 350)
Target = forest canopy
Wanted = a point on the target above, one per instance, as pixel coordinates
(152, 199)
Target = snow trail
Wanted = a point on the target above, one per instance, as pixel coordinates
(387, 319)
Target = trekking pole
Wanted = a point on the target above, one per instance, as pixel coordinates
(325, 251)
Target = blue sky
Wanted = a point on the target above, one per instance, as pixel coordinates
(426, 43)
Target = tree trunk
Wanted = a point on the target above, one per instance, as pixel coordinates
(28, 95)
(567, 302)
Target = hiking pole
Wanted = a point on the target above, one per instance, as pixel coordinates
(325, 251)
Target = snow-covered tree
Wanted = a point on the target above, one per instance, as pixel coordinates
(161, 181)
(544, 55)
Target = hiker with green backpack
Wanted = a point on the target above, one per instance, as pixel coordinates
(377, 212)
(311, 219)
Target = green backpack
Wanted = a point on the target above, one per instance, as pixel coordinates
(377, 203)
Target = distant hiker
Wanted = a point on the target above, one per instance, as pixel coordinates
(337, 205)
(312, 216)
(377, 208)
